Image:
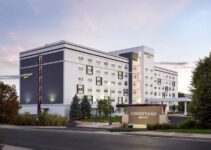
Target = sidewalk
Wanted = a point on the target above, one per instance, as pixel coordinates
(97, 125)
(10, 147)
(170, 135)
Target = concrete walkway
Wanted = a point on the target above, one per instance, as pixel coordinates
(170, 135)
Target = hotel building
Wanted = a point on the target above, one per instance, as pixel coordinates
(147, 81)
(54, 73)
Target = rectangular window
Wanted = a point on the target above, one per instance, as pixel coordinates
(80, 79)
(159, 81)
(80, 58)
(125, 92)
(40, 59)
(89, 60)
(120, 75)
(89, 90)
(105, 90)
(89, 70)
(173, 83)
(90, 98)
(125, 82)
(80, 89)
(97, 90)
(120, 100)
(98, 80)
(105, 63)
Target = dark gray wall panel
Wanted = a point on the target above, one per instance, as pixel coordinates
(53, 57)
(29, 62)
(29, 86)
(53, 83)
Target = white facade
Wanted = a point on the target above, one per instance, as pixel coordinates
(86, 71)
(147, 75)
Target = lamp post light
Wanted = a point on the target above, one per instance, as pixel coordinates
(110, 107)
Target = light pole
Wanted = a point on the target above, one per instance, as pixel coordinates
(110, 121)
(110, 107)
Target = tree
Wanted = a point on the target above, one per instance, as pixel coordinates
(8, 103)
(201, 92)
(75, 109)
(85, 108)
(181, 104)
(103, 107)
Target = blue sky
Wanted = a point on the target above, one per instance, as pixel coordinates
(178, 30)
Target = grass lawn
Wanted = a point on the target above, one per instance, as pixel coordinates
(199, 131)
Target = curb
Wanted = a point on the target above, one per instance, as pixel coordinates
(170, 136)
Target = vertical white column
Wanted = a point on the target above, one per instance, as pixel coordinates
(185, 108)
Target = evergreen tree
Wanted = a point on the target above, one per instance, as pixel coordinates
(75, 109)
(85, 108)
(201, 92)
(8, 103)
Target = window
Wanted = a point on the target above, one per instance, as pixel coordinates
(97, 90)
(80, 89)
(40, 79)
(119, 83)
(173, 94)
(120, 92)
(40, 70)
(40, 59)
(125, 82)
(105, 81)
(120, 75)
(113, 73)
(80, 68)
(126, 75)
(113, 82)
(98, 80)
(80, 58)
(113, 65)
(126, 67)
(89, 60)
(98, 62)
(173, 83)
(89, 89)
(105, 64)
(155, 93)
(105, 90)
(80, 79)
(159, 81)
(98, 71)
(106, 72)
(89, 80)
(89, 70)
(125, 92)
(119, 66)
(120, 100)
(166, 88)
(90, 98)
(113, 91)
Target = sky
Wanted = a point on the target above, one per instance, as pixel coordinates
(177, 30)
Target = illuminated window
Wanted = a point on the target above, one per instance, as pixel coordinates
(98, 80)
(120, 75)
(120, 100)
(89, 70)
(80, 89)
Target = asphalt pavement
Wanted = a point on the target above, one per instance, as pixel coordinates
(93, 139)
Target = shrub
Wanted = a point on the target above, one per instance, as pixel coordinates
(161, 126)
(46, 119)
(85, 108)
(26, 119)
(188, 124)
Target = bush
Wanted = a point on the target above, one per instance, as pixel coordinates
(104, 119)
(45, 119)
(161, 126)
(26, 119)
(188, 124)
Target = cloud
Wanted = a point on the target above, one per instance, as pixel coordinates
(9, 56)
